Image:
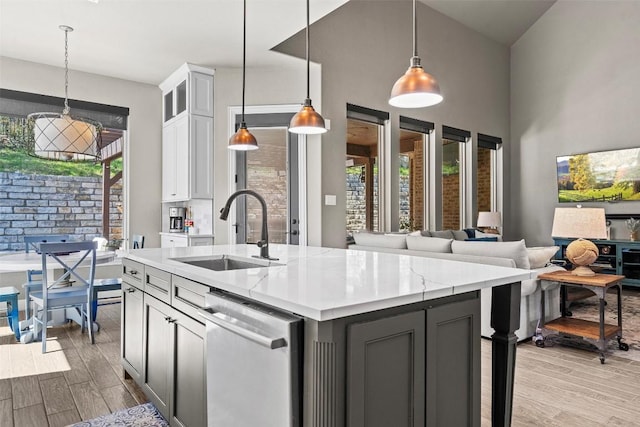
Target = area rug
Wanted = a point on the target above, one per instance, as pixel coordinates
(588, 309)
(145, 415)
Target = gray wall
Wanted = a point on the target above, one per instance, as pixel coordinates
(575, 88)
(364, 47)
(142, 166)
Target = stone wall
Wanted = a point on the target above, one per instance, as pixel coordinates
(46, 204)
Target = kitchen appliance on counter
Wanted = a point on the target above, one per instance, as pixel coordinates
(254, 358)
(177, 217)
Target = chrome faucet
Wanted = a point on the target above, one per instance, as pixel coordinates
(263, 243)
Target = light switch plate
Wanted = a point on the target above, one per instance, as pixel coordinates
(330, 199)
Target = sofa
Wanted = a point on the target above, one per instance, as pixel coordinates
(461, 245)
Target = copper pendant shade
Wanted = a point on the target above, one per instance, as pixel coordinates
(307, 121)
(416, 88)
(243, 140)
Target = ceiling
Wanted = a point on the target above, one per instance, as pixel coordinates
(146, 40)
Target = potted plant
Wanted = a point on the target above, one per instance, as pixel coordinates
(113, 244)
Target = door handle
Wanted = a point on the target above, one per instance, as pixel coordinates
(218, 319)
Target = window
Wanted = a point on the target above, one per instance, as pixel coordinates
(43, 196)
(487, 172)
(413, 164)
(453, 177)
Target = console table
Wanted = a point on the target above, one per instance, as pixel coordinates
(618, 257)
(598, 333)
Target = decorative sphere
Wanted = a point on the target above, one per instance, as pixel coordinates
(582, 252)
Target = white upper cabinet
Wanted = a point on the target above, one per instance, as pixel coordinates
(187, 136)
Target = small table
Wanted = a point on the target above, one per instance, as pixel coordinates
(597, 333)
(10, 296)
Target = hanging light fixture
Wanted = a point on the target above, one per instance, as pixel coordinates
(416, 88)
(61, 136)
(242, 140)
(307, 120)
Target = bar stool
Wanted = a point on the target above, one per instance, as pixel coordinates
(10, 296)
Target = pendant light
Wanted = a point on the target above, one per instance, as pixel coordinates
(307, 120)
(416, 88)
(61, 136)
(243, 140)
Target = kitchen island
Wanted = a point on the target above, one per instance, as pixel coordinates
(387, 339)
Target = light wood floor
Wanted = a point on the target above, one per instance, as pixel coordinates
(555, 386)
(73, 381)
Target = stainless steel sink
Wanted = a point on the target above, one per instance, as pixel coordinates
(226, 262)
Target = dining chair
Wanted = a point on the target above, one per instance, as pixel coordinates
(138, 241)
(57, 294)
(34, 241)
(34, 277)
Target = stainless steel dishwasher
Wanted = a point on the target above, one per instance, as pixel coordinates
(254, 357)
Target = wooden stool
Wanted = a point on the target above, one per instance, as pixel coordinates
(10, 296)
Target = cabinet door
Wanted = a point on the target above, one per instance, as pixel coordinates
(132, 328)
(157, 353)
(182, 158)
(453, 364)
(188, 398)
(201, 157)
(386, 372)
(201, 101)
(169, 179)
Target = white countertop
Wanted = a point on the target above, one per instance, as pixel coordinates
(325, 283)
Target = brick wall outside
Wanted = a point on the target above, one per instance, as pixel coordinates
(484, 180)
(46, 204)
(451, 202)
(267, 175)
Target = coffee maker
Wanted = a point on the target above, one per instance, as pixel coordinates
(176, 219)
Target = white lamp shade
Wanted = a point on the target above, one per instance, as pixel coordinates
(586, 223)
(64, 138)
(489, 219)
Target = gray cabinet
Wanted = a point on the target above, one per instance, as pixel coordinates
(174, 369)
(188, 392)
(132, 321)
(157, 351)
(386, 371)
(453, 364)
(412, 365)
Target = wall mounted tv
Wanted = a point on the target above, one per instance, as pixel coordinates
(604, 176)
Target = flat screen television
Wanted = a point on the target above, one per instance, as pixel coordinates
(603, 176)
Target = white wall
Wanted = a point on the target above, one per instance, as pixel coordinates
(575, 88)
(364, 47)
(145, 129)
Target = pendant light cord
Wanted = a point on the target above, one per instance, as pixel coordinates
(244, 55)
(66, 72)
(308, 90)
(415, 30)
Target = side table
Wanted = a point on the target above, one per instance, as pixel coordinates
(597, 333)
(10, 296)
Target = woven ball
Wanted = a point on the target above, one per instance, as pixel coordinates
(582, 252)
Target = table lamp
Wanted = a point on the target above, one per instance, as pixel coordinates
(490, 221)
(582, 224)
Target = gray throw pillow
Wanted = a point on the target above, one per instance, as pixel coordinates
(429, 244)
(517, 251)
(460, 235)
(425, 233)
(445, 234)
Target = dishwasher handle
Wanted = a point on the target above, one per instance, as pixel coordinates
(264, 341)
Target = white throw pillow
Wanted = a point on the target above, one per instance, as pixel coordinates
(429, 244)
(517, 251)
(393, 241)
(540, 256)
